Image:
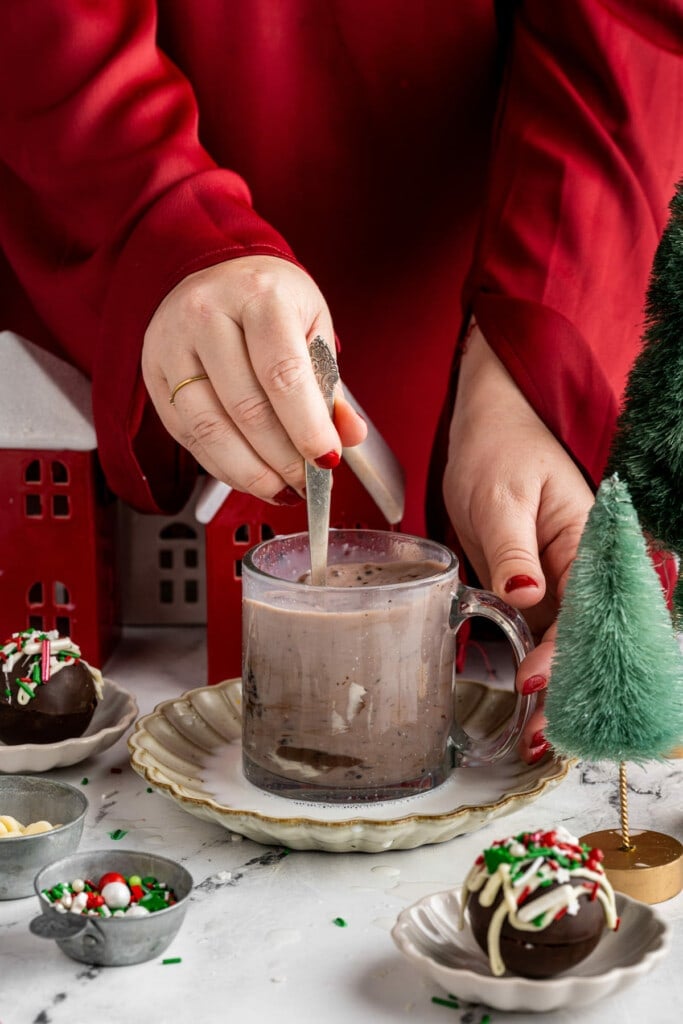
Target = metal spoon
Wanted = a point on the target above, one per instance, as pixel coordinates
(319, 481)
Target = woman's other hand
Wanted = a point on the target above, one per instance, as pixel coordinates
(518, 504)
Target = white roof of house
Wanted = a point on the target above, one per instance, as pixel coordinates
(44, 402)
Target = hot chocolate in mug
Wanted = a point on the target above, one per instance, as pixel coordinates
(348, 689)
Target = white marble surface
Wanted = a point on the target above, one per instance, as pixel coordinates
(259, 942)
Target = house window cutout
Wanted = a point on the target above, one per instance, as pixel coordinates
(241, 534)
(165, 558)
(63, 625)
(191, 592)
(191, 558)
(267, 532)
(166, 591)
(32, 472)
(35, 622)
(61, 593)
(60, 506)
(238, 569)
(33, 506)
(60, 473)
(36, 594)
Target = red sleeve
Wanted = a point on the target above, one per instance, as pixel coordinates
(108, 200)
(589, 146)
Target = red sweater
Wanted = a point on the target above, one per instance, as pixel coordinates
(377, 143)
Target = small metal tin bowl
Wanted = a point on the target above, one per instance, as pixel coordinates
(30, 798)
(112, 941)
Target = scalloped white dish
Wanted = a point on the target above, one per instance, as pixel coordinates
(189, 749)
(427, 934)
(115, 713)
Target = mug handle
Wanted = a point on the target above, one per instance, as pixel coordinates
(467, 602)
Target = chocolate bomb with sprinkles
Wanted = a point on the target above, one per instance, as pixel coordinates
(538, 903)
(48, 692)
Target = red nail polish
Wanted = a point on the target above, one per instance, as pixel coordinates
(517, 582)
(330, 460)
(533, 684)
(287, 496)
(538, 738)
(536, 753)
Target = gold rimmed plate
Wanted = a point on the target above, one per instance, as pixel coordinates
(189, 749)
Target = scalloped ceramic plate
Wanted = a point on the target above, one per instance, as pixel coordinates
(189, 749)
(115, 713)
(427, 934)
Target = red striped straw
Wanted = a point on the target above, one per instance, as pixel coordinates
(45, 660)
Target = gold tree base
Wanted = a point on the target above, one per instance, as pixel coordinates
(676, 752)
(651, 871)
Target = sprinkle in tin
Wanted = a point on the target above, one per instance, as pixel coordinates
(112, 895)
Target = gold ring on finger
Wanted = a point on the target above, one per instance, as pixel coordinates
(182, 383)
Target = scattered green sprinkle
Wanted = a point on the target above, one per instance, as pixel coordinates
(452, 1003)
(486, 1019)
(118, 833)
(84, 780)
(149, 789)
(340, 922)
(172, 960)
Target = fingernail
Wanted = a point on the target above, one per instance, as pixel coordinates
(517, 582)
(330, 460)
(536, 753)
(533, 684)
(287, 496)
(538, 738)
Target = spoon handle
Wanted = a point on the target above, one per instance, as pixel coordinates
(319, 481)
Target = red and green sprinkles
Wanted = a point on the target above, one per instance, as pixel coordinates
(113, 895)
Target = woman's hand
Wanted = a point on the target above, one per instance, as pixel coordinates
(246, 324)
(518, 504)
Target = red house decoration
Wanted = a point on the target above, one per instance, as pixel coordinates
(235, 522)
(57, 519)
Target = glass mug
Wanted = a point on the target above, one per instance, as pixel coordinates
(348, 689)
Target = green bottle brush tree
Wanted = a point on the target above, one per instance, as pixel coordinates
(616, 686)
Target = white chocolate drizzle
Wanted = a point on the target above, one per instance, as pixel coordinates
(517, 866)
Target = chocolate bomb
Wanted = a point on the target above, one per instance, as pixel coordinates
(538, 903)
(38, 710)
(542, 953)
